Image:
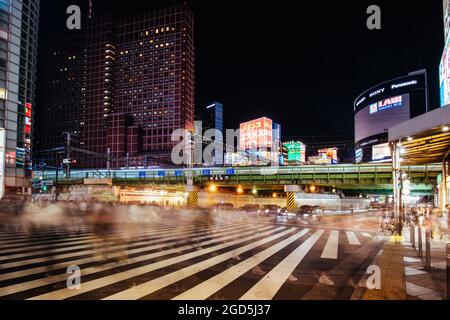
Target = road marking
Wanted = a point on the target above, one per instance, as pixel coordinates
(114, 278)
(86, 245)
(366, 235)
(352, 239)
(61, 277)
(216, 283)
(91, 270)
(166, 240)
(149, 287)
(331, 248)
(268, 286)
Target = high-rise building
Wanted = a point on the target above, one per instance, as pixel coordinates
(19, 22)
(212, 118)
(135, 86)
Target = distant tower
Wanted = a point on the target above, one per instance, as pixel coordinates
(213, 119)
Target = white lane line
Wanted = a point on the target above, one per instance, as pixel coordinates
(209, 287)
(149, 287)
(268, 286)
(9, 246)
(25, 234)
(91, 270)
(83, 245)
(366, 235)
(14, 246)
(331, 248)
(352, 239)
(92, 252)
(114, 278)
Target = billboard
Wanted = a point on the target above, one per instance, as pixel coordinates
(381, 115)
(444, 75)
(381, 152)
(331, 153)
(296, 151)
(256, 134)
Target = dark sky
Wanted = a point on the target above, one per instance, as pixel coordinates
(301, 63)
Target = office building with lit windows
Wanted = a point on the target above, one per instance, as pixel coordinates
(133, 85)
(212, 118)
(19, 21)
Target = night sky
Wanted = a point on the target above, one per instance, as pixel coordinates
(301, 63)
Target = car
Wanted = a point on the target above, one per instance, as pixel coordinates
(310, 214)
(270, 209)
(223, 207)
(305, 210)
(251, 208)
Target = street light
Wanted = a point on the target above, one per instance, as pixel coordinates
(239, 190)
(312, 189)
(212, 188)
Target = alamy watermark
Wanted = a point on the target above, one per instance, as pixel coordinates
(374, 20)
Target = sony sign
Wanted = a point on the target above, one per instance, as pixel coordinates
(377, 92)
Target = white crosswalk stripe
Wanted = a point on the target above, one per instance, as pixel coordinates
(268, 286)
(154, 259)
(352, 239)
(331, 248)
(211, 286)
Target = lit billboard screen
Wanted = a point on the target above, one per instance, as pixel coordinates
(256, 134)
(330, 153)
(444, 75)
(296, 151)
(379, 116)
(381, 152)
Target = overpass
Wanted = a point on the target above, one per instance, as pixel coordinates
(362, 177)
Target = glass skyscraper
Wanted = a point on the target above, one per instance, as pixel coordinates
(19, 21)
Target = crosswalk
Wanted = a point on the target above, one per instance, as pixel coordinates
(240, 259)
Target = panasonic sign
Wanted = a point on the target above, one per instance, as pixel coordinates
(404, 84)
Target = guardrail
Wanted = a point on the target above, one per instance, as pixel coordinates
(326, 174)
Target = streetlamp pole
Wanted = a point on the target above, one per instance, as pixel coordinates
(396, 170)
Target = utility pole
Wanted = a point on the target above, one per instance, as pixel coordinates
(68, 153)
(57, 173)
(396, 172)
(108, 160)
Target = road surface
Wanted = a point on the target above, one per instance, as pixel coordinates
(242, 257)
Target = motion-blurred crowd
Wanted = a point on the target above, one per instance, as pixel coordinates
(433, 219)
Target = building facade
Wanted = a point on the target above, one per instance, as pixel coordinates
(135, 87)
(383, 107)
(19, 24)
(212, 119)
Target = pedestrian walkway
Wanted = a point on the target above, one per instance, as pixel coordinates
(423, 284)
(389, 261)
(236, 260)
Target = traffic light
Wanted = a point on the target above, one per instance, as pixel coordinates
(44, 188)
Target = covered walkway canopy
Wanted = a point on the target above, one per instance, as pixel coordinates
(424, 139)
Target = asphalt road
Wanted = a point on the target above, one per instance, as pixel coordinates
(226, 256)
